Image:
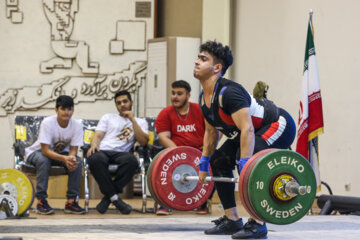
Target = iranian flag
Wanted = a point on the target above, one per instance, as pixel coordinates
(311, 123)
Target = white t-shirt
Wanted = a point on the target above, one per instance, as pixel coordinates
(119, 132)
(60, 139)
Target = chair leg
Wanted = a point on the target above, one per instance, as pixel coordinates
(143, 190)
(86, 186)
(156, 205)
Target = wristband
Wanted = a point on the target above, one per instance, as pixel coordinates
(204, 164)
(242, 163)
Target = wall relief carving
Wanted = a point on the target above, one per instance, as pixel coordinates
(91, 84)
(81, 88)
(130, 36)
(61, 16)
(12, 11)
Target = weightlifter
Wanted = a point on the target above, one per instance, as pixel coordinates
(250, 124)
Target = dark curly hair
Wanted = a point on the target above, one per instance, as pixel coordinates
(181, 84)
(64, 101)
(123, 92)
(222, 54)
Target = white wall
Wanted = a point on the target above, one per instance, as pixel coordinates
(269, 45)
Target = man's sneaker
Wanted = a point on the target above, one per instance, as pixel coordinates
(43, 207)
(219, 220)
(72, 206)
(253, 230)
(122, 206)
(161, 211)
(225, 226)
(103, 205)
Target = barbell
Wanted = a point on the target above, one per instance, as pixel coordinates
(289, 187)
(275, 186)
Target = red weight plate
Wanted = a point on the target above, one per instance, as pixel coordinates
(199, 194)
(243, 182)
(154, 179)
(149, 182)
(242, 192)
(149, 176)
(260, 155)
(246, 183)
(167, 191)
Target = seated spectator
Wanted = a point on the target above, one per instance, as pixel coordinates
(114, 137)
(59, 138)
(181, 124)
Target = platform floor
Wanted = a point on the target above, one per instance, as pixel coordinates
(179, 225)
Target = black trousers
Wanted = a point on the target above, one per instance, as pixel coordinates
(223, 161)
(111, 184)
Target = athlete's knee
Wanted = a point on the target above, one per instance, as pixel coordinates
(221, 166)
(42, 162)
(78, 159)
(133, 162)
(96, 159)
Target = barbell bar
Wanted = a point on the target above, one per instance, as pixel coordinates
(291, 188)
(186, 177)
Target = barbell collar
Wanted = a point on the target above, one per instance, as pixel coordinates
(209, 179)
(293, 189)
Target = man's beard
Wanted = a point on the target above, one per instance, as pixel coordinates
(128, 109)
(181, 105)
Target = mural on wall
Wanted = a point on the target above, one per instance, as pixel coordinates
(130, 35)
(12, 11)
(91, 84)
(61, 16)
(82, 89)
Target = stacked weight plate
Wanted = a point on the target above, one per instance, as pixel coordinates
(174, 193)
(16, 185)
(262, 186)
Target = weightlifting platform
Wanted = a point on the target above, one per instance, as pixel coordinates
(180, 225)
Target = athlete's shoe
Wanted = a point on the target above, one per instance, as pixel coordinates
(225, 226)
(204, 209)
(43, 207)
(72, 206)
(161, 211)
(252, 230)
(219, 220)
(103, 205)
(122, 206)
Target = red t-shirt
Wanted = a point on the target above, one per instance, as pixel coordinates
(186, 130)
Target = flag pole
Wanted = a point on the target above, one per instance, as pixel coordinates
(310, 142)
(310, 212)
(310, 21)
